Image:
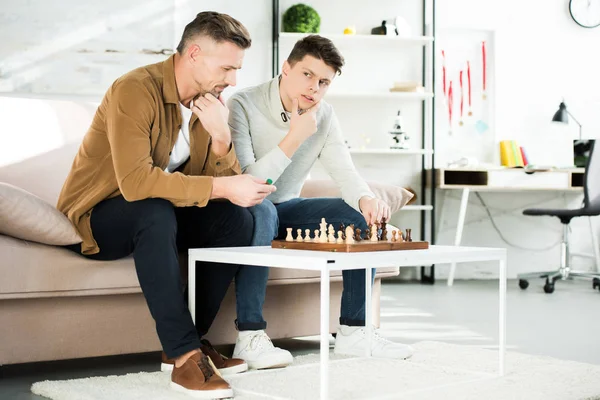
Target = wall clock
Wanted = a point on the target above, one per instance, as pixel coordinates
(585, 12)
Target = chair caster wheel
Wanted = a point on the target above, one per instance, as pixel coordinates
(549, 287)
(523, 284)
(596, 283)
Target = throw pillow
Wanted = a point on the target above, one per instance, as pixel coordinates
(395, 196)
(26, 216)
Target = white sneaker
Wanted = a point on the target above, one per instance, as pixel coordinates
(258, 351)
(351, 340)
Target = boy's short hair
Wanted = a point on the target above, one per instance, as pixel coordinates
(217, 26)
(320, 48)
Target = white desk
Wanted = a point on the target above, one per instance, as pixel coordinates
(509, 180)
(325, 262)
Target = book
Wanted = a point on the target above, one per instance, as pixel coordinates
(524, 156)
(511, 154)
(507, 157)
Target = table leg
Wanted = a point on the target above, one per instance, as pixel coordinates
(502, 316)
(464, 201)
(192, 287)
(368, 311)
(595, 243)
(324, 334)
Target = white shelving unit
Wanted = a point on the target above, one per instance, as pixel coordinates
(369, 39)
(391, 152)
(381, 95)
(417, 208)
(355, 94)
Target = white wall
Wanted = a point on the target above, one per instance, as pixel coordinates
(541, 56)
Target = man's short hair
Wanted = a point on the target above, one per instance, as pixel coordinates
(219, 27)
(320, 48)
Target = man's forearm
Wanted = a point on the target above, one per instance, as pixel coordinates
(220, 147)
(290, 143)
(219, 188)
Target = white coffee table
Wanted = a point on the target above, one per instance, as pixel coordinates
(326, 262)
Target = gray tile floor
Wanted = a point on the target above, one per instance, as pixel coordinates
(565, 324)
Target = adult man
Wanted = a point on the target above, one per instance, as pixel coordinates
(280, 128)
(157, 153)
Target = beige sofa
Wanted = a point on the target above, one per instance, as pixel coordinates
(56, 305)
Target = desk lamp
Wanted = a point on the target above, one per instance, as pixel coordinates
(562, 115)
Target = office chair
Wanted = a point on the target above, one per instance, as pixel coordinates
(591, 207)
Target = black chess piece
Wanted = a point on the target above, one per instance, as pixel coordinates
(408, 237)
(357, 237)
(383, 229)
(367, 234)
(343, 229)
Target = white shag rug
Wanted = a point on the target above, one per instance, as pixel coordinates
(436, 371)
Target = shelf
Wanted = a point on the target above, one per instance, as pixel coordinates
(338, 38)
(392, 151)
(416, 208)
(380, 95)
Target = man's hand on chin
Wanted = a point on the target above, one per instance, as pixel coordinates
(213, 114)
(373, 209)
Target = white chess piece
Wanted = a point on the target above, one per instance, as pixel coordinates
(373, 233)
(331, 229)
(289, 237)
(339, 239)
(307, 235)
(349, 235)
(316, 239)
(299, 238)
(323, 229)
(323, 224)
(331, 237)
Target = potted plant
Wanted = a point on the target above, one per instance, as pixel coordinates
(301, 18)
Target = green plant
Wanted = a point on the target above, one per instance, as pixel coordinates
(301, 18)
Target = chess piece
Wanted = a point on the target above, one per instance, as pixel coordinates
(383, 229)
(323, 225)
(409, 235)
(307, 235)
(316, 239)
(343, 229)
(331, 237)
(349, 235)
(299, 237)
(340, 238)
(367, 234)
(289, 237)
(357, 236)
(331, 229)
(323, 229)
(373, 234)
(323, 237)
(400, 237)
(394, 236)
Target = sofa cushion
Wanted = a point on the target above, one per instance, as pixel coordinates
(26, 216)
(36, 270)
(395, 196)
(31, 269)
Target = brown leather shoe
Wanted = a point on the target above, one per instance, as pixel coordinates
(226, 366)
(197, 378)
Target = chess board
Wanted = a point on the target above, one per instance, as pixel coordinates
(361, 246)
